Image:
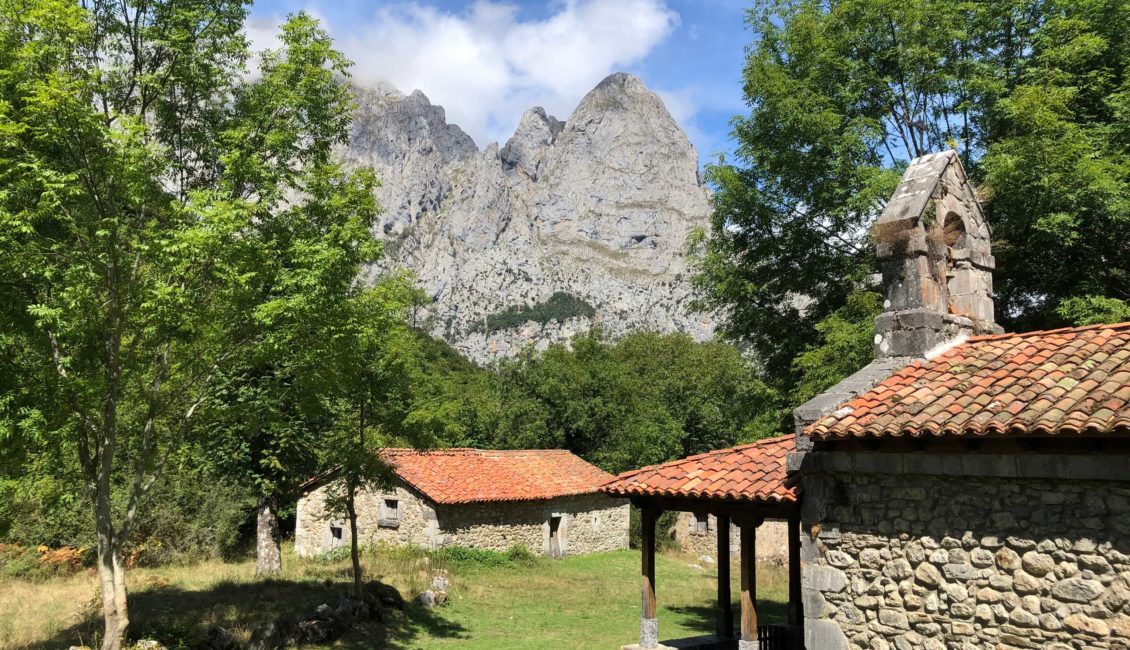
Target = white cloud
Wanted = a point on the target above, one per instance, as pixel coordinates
(486, 65)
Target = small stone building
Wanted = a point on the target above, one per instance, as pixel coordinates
(696, 533)
(544, 500)
(968, 489)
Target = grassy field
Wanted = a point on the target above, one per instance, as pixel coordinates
(580, 602)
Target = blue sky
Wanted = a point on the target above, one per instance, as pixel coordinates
(487, 61)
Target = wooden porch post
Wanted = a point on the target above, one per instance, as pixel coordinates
(725, 617)
(649, 625)
(748, 639)
(796, 609)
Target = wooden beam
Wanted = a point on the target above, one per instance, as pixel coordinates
(796, 608)
(648, 631)
(749, 582)
(725, 621)
(735, 510)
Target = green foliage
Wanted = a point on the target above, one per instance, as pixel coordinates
(462, 556)
(187, 519)
(1033, 95)
(42, 563)
(664, 529)
(171, 226)
(844, 346)
(333, 556)
(1094, 310)
(645, 399)
(184, 519)
(560, 307)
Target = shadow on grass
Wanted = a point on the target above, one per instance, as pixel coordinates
(180, 618)
(703, 618)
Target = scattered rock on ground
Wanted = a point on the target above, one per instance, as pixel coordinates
(427, 598)
(385, 595)
(349, 610)
(264, 637)
(440, 583)
(706, 559)
(218, 638)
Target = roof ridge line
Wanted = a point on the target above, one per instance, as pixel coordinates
(1059, 330)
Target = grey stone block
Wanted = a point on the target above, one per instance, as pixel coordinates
(649, 633)
(823, 578)
(824, 635)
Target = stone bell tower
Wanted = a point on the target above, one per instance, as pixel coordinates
(933, 245)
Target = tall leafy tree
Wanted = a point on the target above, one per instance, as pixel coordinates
(162, 213)
(843, 93)
(379, 397)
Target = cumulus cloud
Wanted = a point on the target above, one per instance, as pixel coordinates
(486, 64)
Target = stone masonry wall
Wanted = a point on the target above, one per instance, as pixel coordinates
(590, 523)
(312, 526)
(957, 563)
(772, 539)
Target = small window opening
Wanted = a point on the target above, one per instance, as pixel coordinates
(390, 513)
(335, 536)
(953, 231)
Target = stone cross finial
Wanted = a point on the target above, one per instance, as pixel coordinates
(933, 245)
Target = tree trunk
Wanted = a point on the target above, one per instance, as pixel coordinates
(111, 578)
(354, 549)
(268, 555)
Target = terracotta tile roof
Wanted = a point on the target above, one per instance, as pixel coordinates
(449, 476)
(754, 472)
(1058, 382)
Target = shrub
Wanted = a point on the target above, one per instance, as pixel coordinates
(333, 556)
(471, 557)
(560, 306)
(184, 519)
(41, 563)
(664, 530)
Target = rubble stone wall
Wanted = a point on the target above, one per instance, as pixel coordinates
(589, 523)
(899, 561)
(772, 538)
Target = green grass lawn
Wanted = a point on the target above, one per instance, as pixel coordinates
(579, 602)
(590, 601)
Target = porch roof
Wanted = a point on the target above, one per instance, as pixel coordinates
(750, 473)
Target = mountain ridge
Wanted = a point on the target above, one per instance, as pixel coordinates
(598, 207)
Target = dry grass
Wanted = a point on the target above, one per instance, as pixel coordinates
(580, 602)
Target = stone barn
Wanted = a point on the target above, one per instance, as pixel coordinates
(697, 532)
(544, 500)
(968, 489)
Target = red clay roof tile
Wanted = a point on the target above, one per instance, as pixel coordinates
(753, 472)
(1058, 382)
(449, 476)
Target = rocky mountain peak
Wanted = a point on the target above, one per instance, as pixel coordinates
(596, 209)
(525, 150)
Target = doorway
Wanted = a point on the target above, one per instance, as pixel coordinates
(555, 546)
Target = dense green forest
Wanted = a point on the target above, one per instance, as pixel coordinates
(644, 399)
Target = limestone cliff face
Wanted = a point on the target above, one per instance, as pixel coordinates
(598, 207)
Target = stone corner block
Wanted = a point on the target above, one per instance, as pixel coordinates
(824, 634)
